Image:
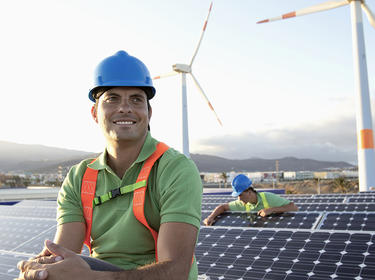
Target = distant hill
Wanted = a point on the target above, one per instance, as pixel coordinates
(38, 158)
(21, 157)
(208, 163)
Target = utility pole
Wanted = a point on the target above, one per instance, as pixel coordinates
(277, 173)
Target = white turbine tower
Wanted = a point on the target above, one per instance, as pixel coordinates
(184, 69)
(365, 142)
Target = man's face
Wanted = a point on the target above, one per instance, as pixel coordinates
(122, 114)
(248, 196)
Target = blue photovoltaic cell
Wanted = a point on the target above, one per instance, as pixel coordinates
(284, 220)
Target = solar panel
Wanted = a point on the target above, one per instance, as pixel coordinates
(360, 199)
(8, 265)
(226, 199)
(282, 220)
(349, 221)
(318, 207)
(335, 207)
(233, 253)
(20, 211)
(217, 200)
(37, 203)
(24, 228)
(316, 200)
(322, 247)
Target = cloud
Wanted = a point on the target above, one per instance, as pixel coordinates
(333, 140)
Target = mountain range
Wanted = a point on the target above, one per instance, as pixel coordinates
(37, 158)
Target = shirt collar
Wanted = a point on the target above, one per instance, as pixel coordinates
(147, 150)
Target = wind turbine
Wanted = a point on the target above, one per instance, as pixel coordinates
(184, 69)
(365, 138)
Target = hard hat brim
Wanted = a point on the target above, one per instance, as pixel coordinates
(234, 193)
(150, 91)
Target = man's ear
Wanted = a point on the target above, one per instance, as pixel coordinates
(149, 113)
(93, 113)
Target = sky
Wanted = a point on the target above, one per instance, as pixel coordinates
(281, 89)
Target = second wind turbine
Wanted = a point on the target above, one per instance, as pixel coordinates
(184, 69)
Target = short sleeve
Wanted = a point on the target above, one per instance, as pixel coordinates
(275, 200)
(237, 205)
(69, 206)
(180, 190)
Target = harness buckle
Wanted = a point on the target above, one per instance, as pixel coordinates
(115, 193)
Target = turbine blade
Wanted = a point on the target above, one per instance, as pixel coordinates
(205, 97)
(202, 34)
(313, 9)
(170, 74)
(370, 15)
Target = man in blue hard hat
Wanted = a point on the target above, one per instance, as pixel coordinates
(137, 206)
(263, 203)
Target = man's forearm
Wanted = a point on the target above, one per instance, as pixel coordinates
(285, 208)
(218, 210)
(160, 270)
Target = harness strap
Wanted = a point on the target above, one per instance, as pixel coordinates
(139, 187)
(249, 206)
(139, 194)
(117, 192)
(264, 199)
(87, 197)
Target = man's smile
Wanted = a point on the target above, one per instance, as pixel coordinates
(124, 122)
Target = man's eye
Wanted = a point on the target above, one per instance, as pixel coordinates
(111, 99)
(137, 99)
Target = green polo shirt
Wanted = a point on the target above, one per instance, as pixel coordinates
(174, 194)
(272, 199)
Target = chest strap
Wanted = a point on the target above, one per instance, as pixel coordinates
(88, 194)
(264, 199)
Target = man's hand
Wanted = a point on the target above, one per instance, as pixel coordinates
(63, 264)
(208, 221)
(265, 212)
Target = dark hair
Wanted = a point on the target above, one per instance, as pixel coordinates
(252, 189)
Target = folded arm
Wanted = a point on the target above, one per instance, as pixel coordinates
(176, 244)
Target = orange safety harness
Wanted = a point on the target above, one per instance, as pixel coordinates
(88, 194)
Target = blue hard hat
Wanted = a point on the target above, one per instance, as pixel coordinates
(240, 183)
(120, 70)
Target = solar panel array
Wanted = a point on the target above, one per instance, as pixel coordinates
(331, 237)
(245, 253)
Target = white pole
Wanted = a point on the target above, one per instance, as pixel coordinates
(366, 155)
(185, 126)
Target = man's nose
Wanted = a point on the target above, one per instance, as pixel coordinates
(124, 106)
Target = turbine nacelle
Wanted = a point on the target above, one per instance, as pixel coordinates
(181, 68)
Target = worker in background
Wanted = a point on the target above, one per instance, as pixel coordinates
(264, 203)
(137, 206)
